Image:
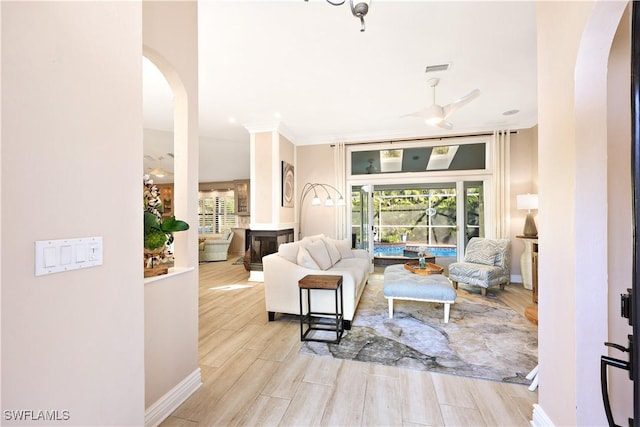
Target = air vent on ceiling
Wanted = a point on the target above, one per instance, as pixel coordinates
(439, 67)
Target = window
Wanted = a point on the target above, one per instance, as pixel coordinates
(459, 157)
(426, 215)
(216, 212)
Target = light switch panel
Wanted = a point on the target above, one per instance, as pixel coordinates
(55, 256)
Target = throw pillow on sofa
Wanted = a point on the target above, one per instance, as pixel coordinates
(289, 251)
(304, 259)
(319, 253)
(344, 247)
(313, 238)
(333, 251)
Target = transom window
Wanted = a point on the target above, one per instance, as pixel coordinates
(419, 159)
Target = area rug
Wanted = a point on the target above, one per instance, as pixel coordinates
(483, 339)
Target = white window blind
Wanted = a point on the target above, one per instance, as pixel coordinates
(216, 212)
(225, 213)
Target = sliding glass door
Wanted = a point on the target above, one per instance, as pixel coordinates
(361, 217)
(473, 210)
(397, 218)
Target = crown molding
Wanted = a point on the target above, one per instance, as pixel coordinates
(272, 126)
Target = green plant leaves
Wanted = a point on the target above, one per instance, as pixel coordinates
(171, 224)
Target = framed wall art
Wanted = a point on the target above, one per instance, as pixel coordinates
(287, 185)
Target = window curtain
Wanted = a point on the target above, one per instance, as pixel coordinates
(340, 167)
(500, 188)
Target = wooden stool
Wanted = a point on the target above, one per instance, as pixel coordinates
(319, 321)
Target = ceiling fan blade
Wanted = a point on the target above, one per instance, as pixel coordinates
(432, 112)
(459, 103)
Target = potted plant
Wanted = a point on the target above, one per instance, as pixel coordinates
(158, 231)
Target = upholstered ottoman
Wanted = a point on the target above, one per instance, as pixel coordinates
(400, 283)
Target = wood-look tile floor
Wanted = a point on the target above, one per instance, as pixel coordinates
(253, 375)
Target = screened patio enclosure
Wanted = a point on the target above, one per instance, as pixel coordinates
(407, 217)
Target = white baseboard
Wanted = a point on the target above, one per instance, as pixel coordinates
(540, 418)
(516, 278)
(256, 276)
(163, 407)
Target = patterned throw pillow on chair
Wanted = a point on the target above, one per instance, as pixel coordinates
(477, 253)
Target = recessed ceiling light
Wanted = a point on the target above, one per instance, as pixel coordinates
(232, 120)
(277, 115)
(510, 112)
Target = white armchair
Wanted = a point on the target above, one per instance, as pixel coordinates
(216, 249)
(487, 262)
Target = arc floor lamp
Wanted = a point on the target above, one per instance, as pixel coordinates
(311, 187)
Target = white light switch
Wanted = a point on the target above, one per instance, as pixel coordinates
(54, 256)
(93, 252)
(49, 257)
(81, 252)
(65, 254)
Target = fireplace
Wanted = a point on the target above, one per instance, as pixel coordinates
(265, 242)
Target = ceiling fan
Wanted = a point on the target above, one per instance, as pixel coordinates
(437, 115)
(159, 172)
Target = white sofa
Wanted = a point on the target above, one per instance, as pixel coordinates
(314, 255)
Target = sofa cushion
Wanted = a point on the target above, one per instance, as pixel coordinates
(304, 259)
(319, 253)
(334, 253)
(289, 251)
(344, 247)
(357, 267)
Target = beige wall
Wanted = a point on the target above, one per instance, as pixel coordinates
(523, 177)
(572, 113)
(171, 304)
(315, 164)
(71, 167)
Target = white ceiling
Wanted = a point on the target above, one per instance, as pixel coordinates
(306, 66)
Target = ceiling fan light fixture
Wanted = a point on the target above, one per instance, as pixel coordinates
(434, 114)
(158, 172)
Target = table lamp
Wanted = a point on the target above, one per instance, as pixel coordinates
(528, 202)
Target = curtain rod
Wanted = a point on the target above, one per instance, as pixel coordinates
(434, 138)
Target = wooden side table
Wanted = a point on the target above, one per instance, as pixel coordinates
(321, 321)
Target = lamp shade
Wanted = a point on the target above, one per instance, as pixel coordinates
(527, 201)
